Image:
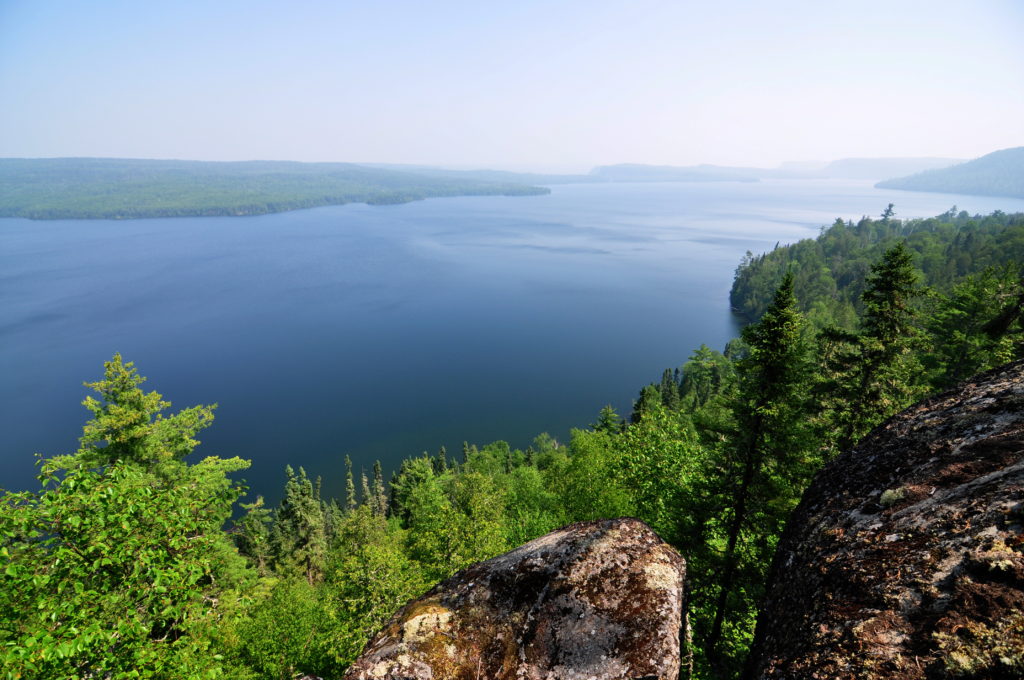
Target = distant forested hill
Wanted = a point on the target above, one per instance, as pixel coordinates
(830, 270)
(844, 168)
(1000, 173)
(873, 168)
(108, 188)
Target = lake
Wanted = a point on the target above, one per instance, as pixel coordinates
(382, 332)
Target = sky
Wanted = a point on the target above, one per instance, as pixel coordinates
(554, 86)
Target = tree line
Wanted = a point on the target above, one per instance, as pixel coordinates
(111, 188)
(127, 562)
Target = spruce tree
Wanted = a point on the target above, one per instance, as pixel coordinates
(650, 397)
(298, 537)
(367, 495)
(350, 488)
(441, 462)
(379, 502)
(608, 421)
(762, 466)
(669, 389)
(874, 373)
(252, 534)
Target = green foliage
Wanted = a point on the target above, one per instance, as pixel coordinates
(868, 376)
(976, 327)
(299, 538)
(370, 576)
(115, 568)
(707, 375)
(288, 632)
(831, 270)
(760, 470)
(588, 482)
(350, 487)
(128, 424)
(411, 473)
(252, 535)
(608, 420)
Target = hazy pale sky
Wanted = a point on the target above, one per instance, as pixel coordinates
(524, 84)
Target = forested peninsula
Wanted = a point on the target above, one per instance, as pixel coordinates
(1000, 173)
(126, 562)
(111, 188)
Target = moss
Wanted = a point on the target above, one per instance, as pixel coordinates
(891, 497)
(978, 650)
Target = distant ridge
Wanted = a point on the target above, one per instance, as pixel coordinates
(877, 168)
(844, 168)
(1000, 173)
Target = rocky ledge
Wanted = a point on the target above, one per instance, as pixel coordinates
(591, 601)
(904, 558)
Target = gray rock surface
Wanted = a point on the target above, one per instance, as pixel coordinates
(591, 601)
(905, 558)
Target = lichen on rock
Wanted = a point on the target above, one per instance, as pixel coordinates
(591, 601)
(905, 558)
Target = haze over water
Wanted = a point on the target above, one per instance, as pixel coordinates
(382, 332)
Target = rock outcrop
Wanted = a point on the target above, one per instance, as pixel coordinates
(904, 558)
(590, 601)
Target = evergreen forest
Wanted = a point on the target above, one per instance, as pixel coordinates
(115, 188)
(136, 559)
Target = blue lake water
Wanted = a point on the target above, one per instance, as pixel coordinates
(382, 332)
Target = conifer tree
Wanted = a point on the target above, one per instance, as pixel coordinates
(608, 421)
(128, 424)
(299, 536)
(874, 373)
(114, 568)
(441, 462)
(650, 397)
(367, 495)
(252, 535)
(379, 501)
(669, 389)
(350, 487)
(763, 465)
(333, 517)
